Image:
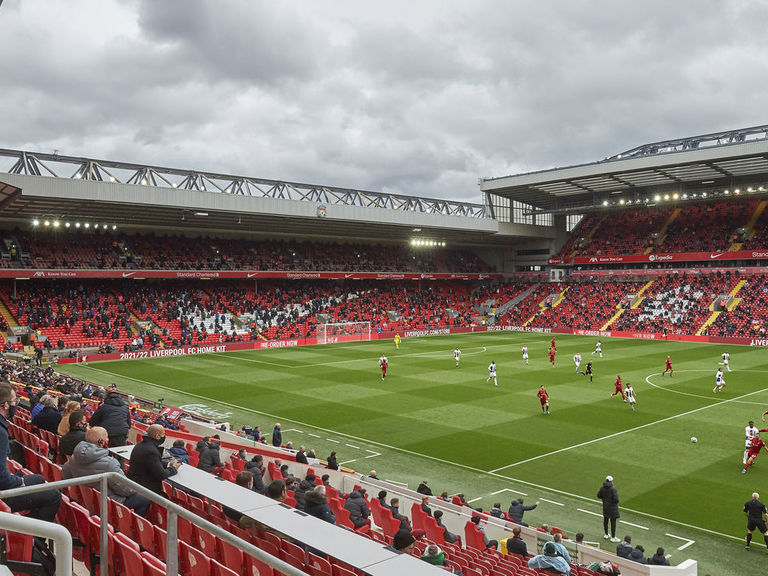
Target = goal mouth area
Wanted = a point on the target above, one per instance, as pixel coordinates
(333, 332)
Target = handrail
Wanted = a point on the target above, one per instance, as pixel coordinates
(174, 510)
(60, 536)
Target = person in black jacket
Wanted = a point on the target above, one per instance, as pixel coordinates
(75, 435)
(624, 547)
(254, 467)
(610, 497)
(659, 559)
(333, 463)
(515, 544)
(49, 417)
(114, 415)
(301, 455)
(517, 508)
(277, 436)
(209, 458)
(146, 466)
(449, 536)
(424, 488)
(638, 555)
(358, 509)
(316, 504)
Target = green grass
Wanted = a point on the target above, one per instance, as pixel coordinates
(431, 420)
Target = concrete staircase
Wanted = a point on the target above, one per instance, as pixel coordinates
(716, 313)
(663, 231)
(736, 246)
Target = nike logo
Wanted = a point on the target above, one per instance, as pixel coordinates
(252, 275)
(713, 256)
(347, 275)
(128, 274)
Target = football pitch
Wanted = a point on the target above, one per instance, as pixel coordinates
(431, 420)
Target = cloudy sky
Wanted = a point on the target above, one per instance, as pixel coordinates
(419, 97)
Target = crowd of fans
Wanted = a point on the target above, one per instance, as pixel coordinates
(709, 227)
(67, 249)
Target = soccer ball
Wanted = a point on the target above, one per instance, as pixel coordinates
(694, 439)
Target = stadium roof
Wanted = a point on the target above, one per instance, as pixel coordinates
(157, 198)
(707, 163)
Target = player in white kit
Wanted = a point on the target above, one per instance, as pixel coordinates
(630, 392)
(719, 381)
(749, 433)
(726, 360)
(525, 354)
(492, 373)
(457, 356)
(598, 349)
(577, 361)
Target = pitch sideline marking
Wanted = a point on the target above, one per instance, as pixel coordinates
(622, 432)
(552, 502)
(428, 457)
(589, 512)
(507, 490)
(635, 525)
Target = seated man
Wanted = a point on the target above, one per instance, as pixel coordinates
(244, 479)
(41, 505)
(515, 544)
(75, 435)
(449, 536)
(550, 561)
(92, 457)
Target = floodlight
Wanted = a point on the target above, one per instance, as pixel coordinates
(605, 202)
(750, 189)
(114, 226)
(657, 198)
(35, 222)
(726, 193)
(675, 196)
(685, 196)
(77, 224)
(666, 196)
(87, 225)
(55, 223)
(46, 223)
(704, 194)
(737, 191)
(66, 224)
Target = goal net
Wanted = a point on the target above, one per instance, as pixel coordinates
(343, 332)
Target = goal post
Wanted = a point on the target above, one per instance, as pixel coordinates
(343, 332)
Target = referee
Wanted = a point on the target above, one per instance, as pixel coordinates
(755, 512)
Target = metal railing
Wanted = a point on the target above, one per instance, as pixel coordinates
(64, 554)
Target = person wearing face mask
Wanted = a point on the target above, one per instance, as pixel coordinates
(92, 457)
(42, 505)
(146, 465)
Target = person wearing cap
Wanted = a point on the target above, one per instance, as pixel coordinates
(404, 541)
(610, 497)
(549, 561)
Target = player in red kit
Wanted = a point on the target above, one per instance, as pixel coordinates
(669, 367)
(552, 353)
(619, 389)
(552, 344)
(544, 399)
(383, 365)
(754, 450)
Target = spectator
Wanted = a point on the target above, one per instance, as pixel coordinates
(372, 474)
(301, 455)
(276, 490)
(659, 559)
(550, 561)
(277, 436)
(114, 415)
(146, 466)
(515, 544)
(404, 541)
(516, 510)
(49, 417)
(394, 506)
(41, 505)
(610, 497)
(333, 463)
(75, 435)
(624, 547)
(496, 511)
(209, 458)
(303, 488)
(179, 451)
(638, 555)
(326, 478)
(382, 498)
(254, 467)
(557, 538)
(92, 457)
(39, 405)
(358, 509)
(424, 488)
(488, 543)
(449, 536)
(244, 479)
(316, 504)
(425, 506)
(70, 407)
(242, 455)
